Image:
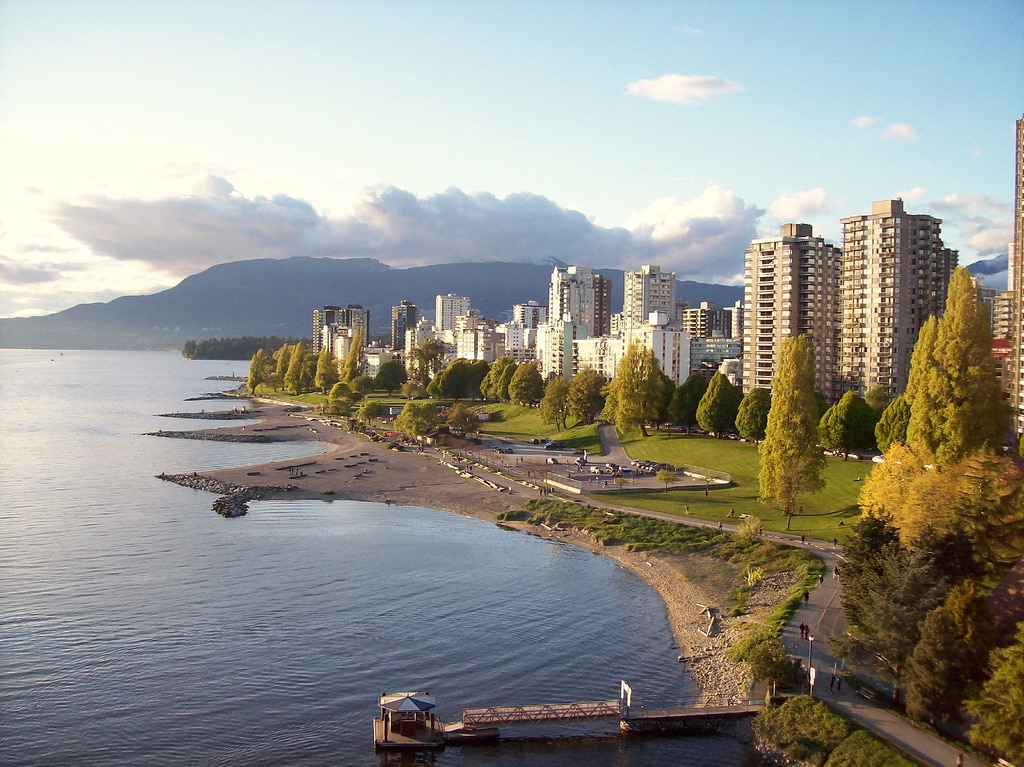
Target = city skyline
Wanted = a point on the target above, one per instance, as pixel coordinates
(140, 143)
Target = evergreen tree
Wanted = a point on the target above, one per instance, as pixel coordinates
(282, 357)
(847, 425)
(791, 461)
(506, 380)
(752, 415)
(639, 390)
(891, 428)
(877, 399)
(956, 405)
(326, 371)
(686, 399)
(584, 398)
(427, 359)
(526, 385)
(1000, 707)
(719, 406)
(554, 407)
(491, 385)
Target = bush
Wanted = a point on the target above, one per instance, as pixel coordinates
(803, 728)
(863, 748)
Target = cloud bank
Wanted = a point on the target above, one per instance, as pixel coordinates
(701, 239)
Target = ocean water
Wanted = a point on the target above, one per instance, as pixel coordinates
(140, 628)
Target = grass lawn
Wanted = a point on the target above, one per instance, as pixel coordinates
(524, 423)
(821, 514)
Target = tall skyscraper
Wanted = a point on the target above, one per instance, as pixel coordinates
(646, 291)
(895, 274)
(403, 317)
(1016, 286)
(791, 288)
(577, 295)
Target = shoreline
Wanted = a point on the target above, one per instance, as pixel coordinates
(357, 469)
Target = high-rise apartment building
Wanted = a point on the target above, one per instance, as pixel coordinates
(895, 274)
(646, 291)
(577, 295)
(1016, 286)
(328, 315)
(529, 315)
(705, 321)
(403, 318)
(791, 288)
(447, 308)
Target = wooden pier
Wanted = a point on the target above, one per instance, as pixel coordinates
(406, 720)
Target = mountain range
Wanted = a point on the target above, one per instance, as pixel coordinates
(276, 297)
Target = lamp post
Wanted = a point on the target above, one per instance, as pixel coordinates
(810, 668)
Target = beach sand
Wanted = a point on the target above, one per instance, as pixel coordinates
(355, 468)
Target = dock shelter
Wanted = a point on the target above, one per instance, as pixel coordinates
(407, 721)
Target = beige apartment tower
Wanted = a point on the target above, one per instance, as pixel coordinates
(1016, 286)
(647, 291)
(895, 274)
(791, 288)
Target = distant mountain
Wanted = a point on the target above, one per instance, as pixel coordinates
(992, 271)
(278, 296)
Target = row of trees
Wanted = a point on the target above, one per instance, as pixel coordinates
(943, 512)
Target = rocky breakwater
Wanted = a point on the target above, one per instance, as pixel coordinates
(234, 499)
(213, 436)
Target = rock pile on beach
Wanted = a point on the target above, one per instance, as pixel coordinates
(234, 499)
(212, 436)
(216, 415)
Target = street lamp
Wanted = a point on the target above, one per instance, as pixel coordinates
(810, 668)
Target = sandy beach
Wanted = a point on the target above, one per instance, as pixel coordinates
(356, 468)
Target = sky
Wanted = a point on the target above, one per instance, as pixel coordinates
(144, 141)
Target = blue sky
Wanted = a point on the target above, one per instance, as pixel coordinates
(144, 141)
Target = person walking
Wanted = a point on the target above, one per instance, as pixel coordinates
(831, 682)
(806, 597)
(839, 682)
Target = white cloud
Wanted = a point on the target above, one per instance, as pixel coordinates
(863, 122)
(912, 194)
(689, 90)
(797, 205)
(900, 131)
(981, 223)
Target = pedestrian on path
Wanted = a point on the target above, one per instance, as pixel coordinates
(802, 627)
(831, 682)
(806, 597)
(959, 760)
(839, 682)
(803, 538)
(821, 579)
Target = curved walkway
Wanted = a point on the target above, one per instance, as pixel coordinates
(823, 612)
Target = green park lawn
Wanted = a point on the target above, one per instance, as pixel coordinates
(821, 513)
(524, 423)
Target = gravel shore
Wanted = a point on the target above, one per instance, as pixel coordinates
(354, 468)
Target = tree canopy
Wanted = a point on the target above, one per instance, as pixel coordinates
(891, 428)
(719, 405)
(554, 407)
(1000, 707)
(495, 383)
(526, 385)
(391, 375)
(752, 415)
(326, 371)
(956, 405)
(417, 418)
(584, 398)
(260, 370)
(848, 425)
(638, 390)
(355, 360)
(682, 408)
(791, 461)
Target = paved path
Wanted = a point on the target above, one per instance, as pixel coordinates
(823, 612)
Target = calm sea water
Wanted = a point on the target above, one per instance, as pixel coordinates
(140, 628)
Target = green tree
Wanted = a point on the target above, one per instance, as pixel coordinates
(506, 380)
(461, 417)
(584, 398)
(188, 351)
(847, 425)
(478, 370)
(282, 357)
(761, 649)
(949, 659)
(791, 461)
(326, 371)
(355, 359)
(956, 405)
(877, 399)
(554, 407)
(391, 375)
(667, 476)
(455, 382)
(752, 415)
(1000, 707)
(412, 390)
(686, 399)
(427, 359)
(297, 378)
(417, 418)
(340, 398)
(891, 428)
(638, 389)
(719, 406)
(490, 387)
(369, 409)
(526, 385)
(259, 371)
